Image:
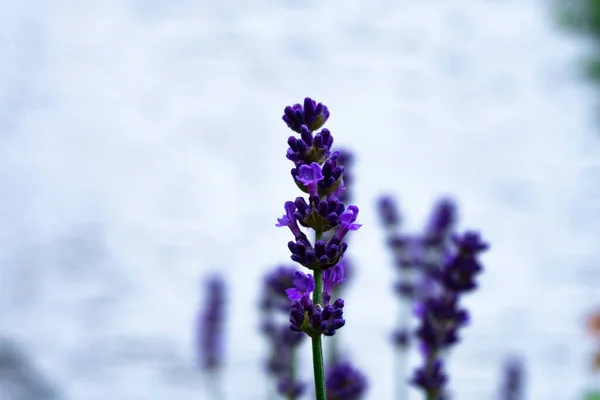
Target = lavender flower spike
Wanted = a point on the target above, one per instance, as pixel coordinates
(316, 172)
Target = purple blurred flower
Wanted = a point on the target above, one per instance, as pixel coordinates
(513, 379)
(440, 314)
(431, 380)
(275, 283)
(211, 324)
(290, 388)
(441, 223)
(344, 382)
(346, 160)
(283, 342)
(388, 212)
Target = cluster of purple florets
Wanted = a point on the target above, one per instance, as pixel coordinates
(316, 319)
(283, 342)
(318, 173)
(440, 313)
(436, 269)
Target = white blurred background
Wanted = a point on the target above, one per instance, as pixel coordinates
(142, 147)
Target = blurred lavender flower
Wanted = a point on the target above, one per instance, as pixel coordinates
(417, 257)
(211, 324)
(513, 380)
(283, 342)
(388, 212)
(433, 270)
(274, 296)
(440, 314)
(290, 388)
(346, 160)
(344, 382)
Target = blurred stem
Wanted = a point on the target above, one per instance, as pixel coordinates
(333, 342)
(293, 371)
(317, 345)
(214, 387)
(402, 349)
(401, 372)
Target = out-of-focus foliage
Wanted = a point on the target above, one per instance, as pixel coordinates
(584, 16)
(592, 396)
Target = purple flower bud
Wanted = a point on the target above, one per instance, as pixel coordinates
(313, 115)
(332, 174)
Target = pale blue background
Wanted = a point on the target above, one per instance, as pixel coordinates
(141, 147)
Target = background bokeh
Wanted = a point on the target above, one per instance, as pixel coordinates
(142, 147)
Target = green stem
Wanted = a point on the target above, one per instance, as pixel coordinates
(317, 350)
(317, 345)
(318, 293)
